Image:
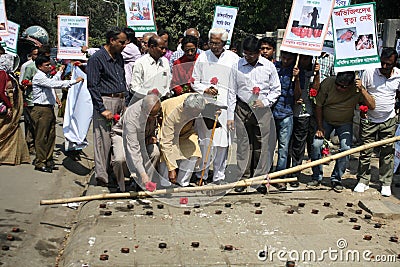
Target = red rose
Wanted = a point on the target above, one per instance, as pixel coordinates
(154, 92)
(150, 186)
(363, 108)
(25, 82)
(183, 200)
(191, 80)
(313, 92)
(325, 151)
(53, 67)
(77, 63)
(53, 72)
(116, 117)
(214, 81)
(256, 90)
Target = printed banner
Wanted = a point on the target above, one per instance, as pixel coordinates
(3, 18)
(328, 42)
(140, 16)
(354, 37)
(73, 33)
(307, 26)
(225, 17)
(10, 41)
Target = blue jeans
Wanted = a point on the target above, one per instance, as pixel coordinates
(284, 128)
(345, 134)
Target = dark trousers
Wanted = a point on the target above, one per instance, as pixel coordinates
(44, 123)
(256, 138)
(303, 127)
(29, 129)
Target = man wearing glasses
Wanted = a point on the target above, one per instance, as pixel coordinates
(107, 87)
(211, 76)
(135, 146)
(382, 84)
(335, 103)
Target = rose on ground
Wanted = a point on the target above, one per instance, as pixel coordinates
(150, 186)
(183, 200)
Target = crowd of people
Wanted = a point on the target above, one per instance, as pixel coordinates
(162, 117)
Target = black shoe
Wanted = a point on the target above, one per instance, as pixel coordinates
(101, 183)
(240, 189)
(337, 187)
(294, 184)
(314, 183)
(280, 186)
(43, 169)
(54, 168)
(262, 189)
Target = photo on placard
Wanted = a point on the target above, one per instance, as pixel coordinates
(310, 16)
(365, 41)
(72, 36)
(346, 34)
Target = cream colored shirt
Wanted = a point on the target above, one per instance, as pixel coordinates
(148, 74)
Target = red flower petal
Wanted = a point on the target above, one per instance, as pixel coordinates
(313, 92)
(256, 90)
(214, 81)
(150, 186)
(116, 117)
(183, 200)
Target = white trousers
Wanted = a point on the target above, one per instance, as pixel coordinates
(185, 170)
(219, 156)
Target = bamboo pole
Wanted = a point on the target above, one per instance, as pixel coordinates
(209, 187)
(262, 179)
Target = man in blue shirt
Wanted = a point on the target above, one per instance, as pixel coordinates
(283, 110)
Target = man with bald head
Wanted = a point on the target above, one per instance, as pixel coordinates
(151, 71)
(179, 52)
(135, 147)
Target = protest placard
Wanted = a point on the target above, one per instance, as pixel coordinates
(328, 42)
(10, 41)
(3, 18)
(73, 33)
(140, 16)
(354, 37)
(225, 17)
(307, 26)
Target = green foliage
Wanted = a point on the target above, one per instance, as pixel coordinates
(254, 16)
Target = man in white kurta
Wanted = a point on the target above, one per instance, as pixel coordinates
(211, 78)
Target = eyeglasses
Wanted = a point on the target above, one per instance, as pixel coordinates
(123, 42)
(215, 43)
(47, 65)
(250, 54)
(192, 50)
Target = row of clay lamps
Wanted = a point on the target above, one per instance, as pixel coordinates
(10, 237)
(303, 32)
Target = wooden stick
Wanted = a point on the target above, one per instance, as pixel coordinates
(297, 63)
(209, 148)
(208, 187)
(247, 182)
